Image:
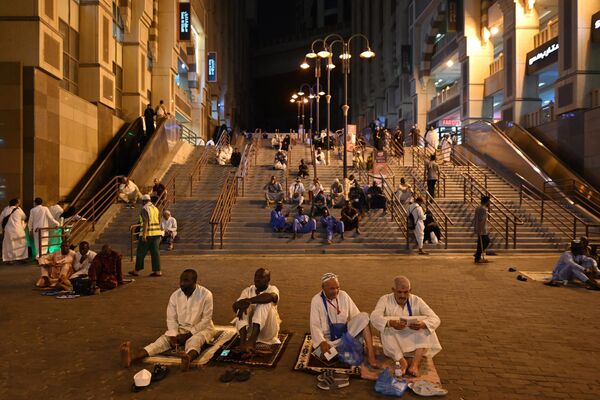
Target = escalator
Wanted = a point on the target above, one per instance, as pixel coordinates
(117, 158)
(514, 152)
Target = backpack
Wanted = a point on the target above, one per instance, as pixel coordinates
(412, 222)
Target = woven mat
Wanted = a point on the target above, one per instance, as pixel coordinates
(537, 276)
(224, 334)
(308, 363)
(275, 351)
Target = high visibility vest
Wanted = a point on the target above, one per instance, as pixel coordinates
(153, 221)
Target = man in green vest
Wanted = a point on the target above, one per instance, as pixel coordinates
(149, 238)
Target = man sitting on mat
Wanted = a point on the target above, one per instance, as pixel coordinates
(574, 265)
(256, 310)
(189, 323)
(56, 268)
(105, 272)
(399, 333)
(332, 313)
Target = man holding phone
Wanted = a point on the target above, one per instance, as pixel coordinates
(407, 324)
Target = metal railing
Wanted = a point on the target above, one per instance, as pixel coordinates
(248, 156)
(288, 166)
(221, 214)
(546, 34)
(580, 191)
(209, 152)
(188, 135)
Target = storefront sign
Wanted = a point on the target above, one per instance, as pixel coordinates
(406, 59)
(185, 27)
(596, 27)
(212, 66)
(542, 56)
(379, 162)
(452, 16)
(450, 122)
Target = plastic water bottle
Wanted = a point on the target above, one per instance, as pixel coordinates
(398, 370)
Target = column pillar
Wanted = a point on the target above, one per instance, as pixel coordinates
(165, 66)
(136, 77)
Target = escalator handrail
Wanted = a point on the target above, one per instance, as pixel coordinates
(148, 145)
(105, 159)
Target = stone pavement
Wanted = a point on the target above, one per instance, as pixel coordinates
(501, 338)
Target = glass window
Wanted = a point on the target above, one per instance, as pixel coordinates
(70, 57)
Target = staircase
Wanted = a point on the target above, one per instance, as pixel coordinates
(249, 230)
(191, 211)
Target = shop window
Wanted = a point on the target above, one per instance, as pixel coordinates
(214, 107)
(70, 37)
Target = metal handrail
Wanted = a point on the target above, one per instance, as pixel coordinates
(221, 214)
(287, 168)
(579, 189)
(187, 134)
(397, 149)
(249, 154)
(398, 213)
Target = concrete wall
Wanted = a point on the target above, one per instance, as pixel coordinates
(78, 127)
(11, 130)
(591, 147)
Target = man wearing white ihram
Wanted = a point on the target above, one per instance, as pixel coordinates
(398, 337)
(332, 313)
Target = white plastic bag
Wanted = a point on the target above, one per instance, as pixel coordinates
(433, 238)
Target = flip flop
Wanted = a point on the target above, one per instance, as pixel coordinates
(241, 375)
(67, 296)
(160, 372)
(133, 273)
(335, 375)
(521, 278)
(227, 376)
(512, 269)
(427, 389)
(156, 274)
(331, 384)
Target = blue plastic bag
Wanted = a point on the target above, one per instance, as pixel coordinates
(350, 350)
(388, 385)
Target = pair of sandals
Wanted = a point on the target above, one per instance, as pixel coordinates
(238, 375)
(330, 380)
(427, 389)
(153, 274)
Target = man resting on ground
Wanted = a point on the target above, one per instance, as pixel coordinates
(399, 338)
(56, 268)
(83, 260)
(189, 323)
(278, 218)
(304, 224)
(331, 225)
(332, 313)
(257, 319)
(574, 265)
(105, 271)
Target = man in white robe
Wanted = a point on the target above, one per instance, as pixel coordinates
(431, 141)
(40, 217)
(189, 324)
(83, 260)
(56, 268)
(296, 192)
(57, 209)
(14, 244)
(168, 224)
(333, 308)
(446, 145)
(416, 210)
(398, 337)
(129, 192)
(257, 319)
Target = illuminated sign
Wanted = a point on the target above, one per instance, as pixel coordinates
(450, 122)
(542, 56)
(596, 27)
(185, 28)
(211, 65)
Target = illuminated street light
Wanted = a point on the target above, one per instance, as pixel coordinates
(367, 53)
(324, 54)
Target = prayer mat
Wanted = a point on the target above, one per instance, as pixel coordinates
(275, 351)
(224, 334)
(427, 371)
(307, 362)
(538, 276)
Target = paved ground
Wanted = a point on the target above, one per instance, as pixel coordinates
(502, 339)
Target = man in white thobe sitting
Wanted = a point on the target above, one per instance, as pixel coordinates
(83, 260)
(189, 324)
(56, 268)
(257, 319)
(401, 334)
(168, 224)
(332, 313)
(129, 192)
(296, 192)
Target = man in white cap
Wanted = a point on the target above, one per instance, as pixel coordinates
(149, 238)
(296, 192)
(257, 319)
(401, 334)
(332, 313)
(189, 323)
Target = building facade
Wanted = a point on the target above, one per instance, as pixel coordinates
(447, 63)
(76, 71)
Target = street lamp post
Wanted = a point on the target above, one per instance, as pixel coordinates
(345, 57)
